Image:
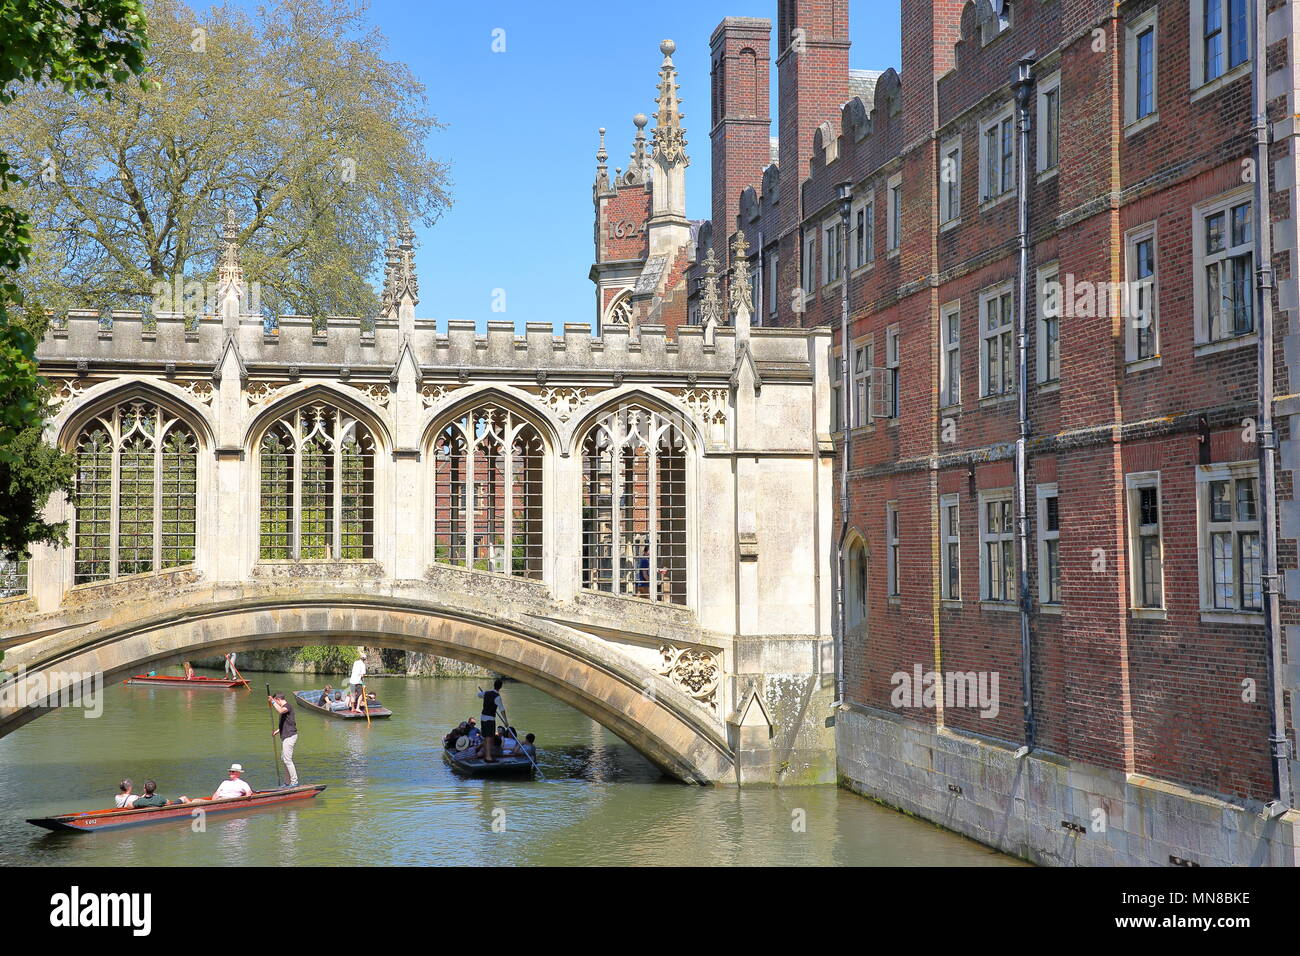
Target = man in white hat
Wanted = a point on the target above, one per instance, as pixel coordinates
(234, 785)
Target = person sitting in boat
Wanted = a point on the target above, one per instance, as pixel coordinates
(189, 670)
(125, 799)
(509, 743)
(472, 730)
(152, 799)
(529, 746)
(234, 785)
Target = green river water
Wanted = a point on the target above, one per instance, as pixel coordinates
(392, 801)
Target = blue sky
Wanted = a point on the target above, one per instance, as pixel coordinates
(521, 131)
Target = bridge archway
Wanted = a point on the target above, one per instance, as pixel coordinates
(665, 726)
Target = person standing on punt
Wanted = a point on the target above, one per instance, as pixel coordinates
(488, 719)
(357, 679)
(234, 785)
(231, 673)
(287, 732)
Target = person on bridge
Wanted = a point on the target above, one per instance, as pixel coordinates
(488, 720)
(233, 786)
(287, 732)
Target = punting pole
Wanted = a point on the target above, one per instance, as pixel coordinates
(505, 718)
(275, 757)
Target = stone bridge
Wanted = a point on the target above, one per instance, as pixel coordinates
(637, 524)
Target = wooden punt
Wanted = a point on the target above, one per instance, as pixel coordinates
(311, 700)
(92, 821)
(519, 766)
(157, 680)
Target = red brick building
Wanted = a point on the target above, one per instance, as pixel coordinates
(1148, 660)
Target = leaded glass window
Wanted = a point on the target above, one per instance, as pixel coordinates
(135, 493)
(488, 493)
(317, 485)
(634, 506)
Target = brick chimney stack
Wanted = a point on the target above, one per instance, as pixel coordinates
(812, 42)
(931, 29)
(741, 125)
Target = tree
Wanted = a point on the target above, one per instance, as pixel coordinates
(84, 47)
(290, 117)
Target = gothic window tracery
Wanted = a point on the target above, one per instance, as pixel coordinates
(634, 506)
(317, 484)
(488, 493)
(620, 313)
(135, 493)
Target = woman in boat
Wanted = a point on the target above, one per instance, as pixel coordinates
(189, 670)
(529, 746)
(125, 799)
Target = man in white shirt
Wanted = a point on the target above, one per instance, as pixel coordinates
(358, 676)
(234, 785)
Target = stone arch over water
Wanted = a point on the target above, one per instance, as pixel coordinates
(664, 725)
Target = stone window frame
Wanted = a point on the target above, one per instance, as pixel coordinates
(950, 548)
(894, 228)
(892, 372)
(1047, 316)
(862, 380)
(1007, 327)
(1046, 538)
(866, 207)
(808, 261)
(1146, 232)
(1206, 342)
(1137, 532)
(1049, 84)
(950, 355)
(1133, 32)
(1005, 540)
(1233, 473)
(950, 184)
(893, 550)
(829, 232)
(1201, 85)
(1001, 121)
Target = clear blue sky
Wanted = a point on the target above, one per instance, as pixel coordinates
(521, 131)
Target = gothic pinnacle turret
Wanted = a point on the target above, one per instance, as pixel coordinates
(602, 167)
(669, 134)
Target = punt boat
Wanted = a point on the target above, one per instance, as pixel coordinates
(514, 766)
(158, 680)
(313, 700)
(91, 821)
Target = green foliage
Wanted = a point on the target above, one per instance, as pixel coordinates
(289, 115)
(84, 47)
(329, 658)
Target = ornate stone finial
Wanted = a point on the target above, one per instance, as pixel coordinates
(669, 135)
(640, 161)
(602, 170)
(741, 294)
(710, 293)
(405, 284)
(229, 273)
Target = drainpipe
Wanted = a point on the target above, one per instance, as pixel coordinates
(845, 193)
(1279, 746)
(1024, 88)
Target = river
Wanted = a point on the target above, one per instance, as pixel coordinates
(392, 801)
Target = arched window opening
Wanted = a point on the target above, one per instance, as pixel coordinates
(855, 604)
(620, 313)
(488, 493)
(135, 493)
(317, 485)
(634, 506)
